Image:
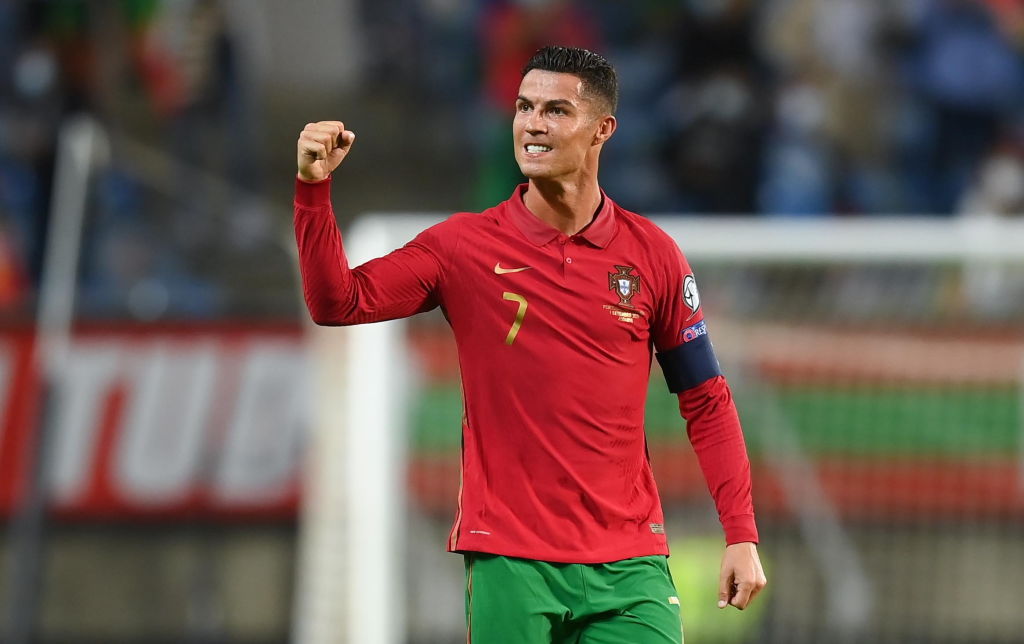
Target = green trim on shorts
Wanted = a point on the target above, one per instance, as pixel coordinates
(523, 601)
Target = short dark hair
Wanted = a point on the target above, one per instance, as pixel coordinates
(597, 74)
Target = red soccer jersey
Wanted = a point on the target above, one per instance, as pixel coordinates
(555, 337)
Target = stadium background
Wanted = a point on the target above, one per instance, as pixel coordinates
(180, 424)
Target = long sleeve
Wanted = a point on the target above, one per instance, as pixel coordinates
(713, 427)
(402, 283)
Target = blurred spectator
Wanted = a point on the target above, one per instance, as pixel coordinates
(209, 125)
(971, 78)
(1010, 16)
(997, 192)
(128, 269)
(826, 150)
(714, 136)
(42, 82)
(13, 281)
(799, 175)
(998, 189)
(179, 59)
(398, 30)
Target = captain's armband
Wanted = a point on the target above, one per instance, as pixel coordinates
(689, 364)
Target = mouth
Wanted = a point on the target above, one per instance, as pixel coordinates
(534, 150)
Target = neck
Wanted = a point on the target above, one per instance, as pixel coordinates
(565, 205)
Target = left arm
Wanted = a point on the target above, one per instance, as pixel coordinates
(713, 427)
(691, 370)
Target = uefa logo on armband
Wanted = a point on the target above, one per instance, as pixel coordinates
(695, 331)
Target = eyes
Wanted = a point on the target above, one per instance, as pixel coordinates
(554, 110)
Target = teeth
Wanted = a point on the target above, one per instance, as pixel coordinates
(533, 149)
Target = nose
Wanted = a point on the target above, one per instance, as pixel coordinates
(535, 124)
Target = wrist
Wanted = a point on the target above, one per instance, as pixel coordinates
(300, 177)
(740, 528)
(312, 194)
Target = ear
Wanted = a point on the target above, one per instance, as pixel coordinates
(605, 128)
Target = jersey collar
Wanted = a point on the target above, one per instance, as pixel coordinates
(598, 232)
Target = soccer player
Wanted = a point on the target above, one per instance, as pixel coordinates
(558, 298)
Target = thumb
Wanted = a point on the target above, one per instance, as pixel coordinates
(336, 155)
(345, 140)
(724, 588)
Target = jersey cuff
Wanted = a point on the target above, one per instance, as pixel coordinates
(740, 529)
(689, 364)
(312, 195)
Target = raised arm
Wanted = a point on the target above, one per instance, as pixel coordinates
(402, 283)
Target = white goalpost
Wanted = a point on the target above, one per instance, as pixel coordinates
(350, 555)
(352, 575)
(82, 147)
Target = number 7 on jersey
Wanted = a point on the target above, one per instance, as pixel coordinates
(520, 314)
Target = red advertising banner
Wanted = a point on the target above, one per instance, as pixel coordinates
(177, 422)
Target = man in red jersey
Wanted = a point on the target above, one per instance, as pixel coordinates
(557, 298)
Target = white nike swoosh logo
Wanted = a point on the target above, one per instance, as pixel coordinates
(501, 271)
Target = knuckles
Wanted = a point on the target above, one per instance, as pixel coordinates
(324, 126)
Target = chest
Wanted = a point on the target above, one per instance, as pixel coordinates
(508, 291)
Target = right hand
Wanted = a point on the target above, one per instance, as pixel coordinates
(322, 147)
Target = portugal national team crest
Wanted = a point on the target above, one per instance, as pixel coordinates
(624, 284)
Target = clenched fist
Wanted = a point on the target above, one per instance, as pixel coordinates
(322, 147)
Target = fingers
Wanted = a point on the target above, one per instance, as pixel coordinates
(742, 576)
(313, 149)
(741, 595)
(758, 586)
(746, 590)
(342, 143)
(319, 139)
(725, 588)
(332, 134)
(742, 590)
(321, 147)
(347, 138)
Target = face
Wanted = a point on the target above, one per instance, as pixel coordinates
(557, 130)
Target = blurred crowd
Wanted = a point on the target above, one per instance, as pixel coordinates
(782, 107)
(778, 107)
(156, 76)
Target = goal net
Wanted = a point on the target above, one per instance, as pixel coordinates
(878, 366)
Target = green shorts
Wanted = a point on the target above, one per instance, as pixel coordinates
(522, 601)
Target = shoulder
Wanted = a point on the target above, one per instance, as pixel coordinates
(447, 235)
(458, 221)
(474, 224)
(452, 225)
(646, 232)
